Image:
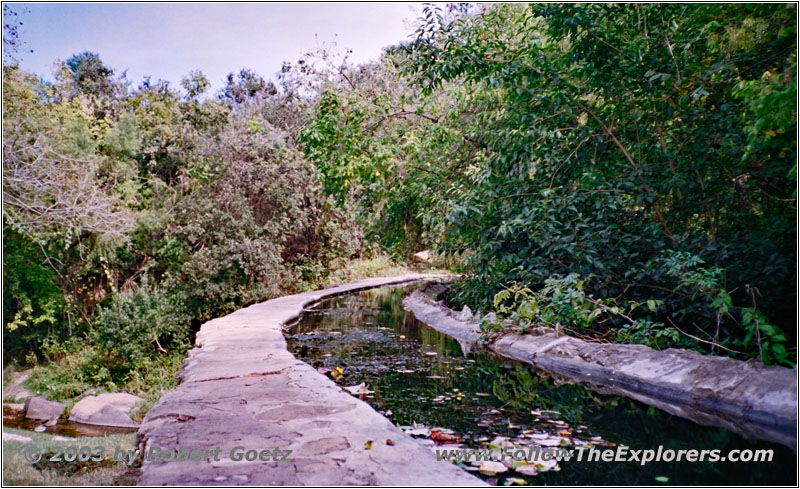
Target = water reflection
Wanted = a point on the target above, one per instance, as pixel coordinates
(421, 380)
(63, 427)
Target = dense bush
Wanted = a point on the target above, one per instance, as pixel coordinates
(137, 326)
(114, 196)
(608, 147)
(647, 149)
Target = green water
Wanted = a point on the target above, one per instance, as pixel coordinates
(421, 380)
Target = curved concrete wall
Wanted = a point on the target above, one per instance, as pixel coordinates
(242, 387)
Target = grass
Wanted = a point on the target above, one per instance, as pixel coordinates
(19, 472)
(154, 379)
(9, 373)
(380, 266)
(65, 379)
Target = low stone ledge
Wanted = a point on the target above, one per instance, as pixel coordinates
(754, 400)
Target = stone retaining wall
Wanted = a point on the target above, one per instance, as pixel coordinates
(748, 398)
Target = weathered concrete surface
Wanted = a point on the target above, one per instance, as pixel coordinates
(748, 398)
(241, 387)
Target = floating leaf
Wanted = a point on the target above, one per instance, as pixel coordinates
(442, 437)
(527, 469)
(358, 390)
(492, 468)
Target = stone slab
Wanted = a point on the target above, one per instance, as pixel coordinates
(41, 408)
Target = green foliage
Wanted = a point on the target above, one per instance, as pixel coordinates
(70, 370)
(600, 145)
(258, 215)
(562, 303)
(366, 138)
(138, 326)
(770, 339)
(33, 303)
(630, 170)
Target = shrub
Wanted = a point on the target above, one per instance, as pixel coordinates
(137, 326)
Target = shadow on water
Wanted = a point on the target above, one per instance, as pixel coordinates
(421, 380)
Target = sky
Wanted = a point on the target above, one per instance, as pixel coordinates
(168, 40)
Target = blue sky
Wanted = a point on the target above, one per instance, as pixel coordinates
(168, 40)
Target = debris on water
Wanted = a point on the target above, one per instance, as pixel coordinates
(476, 402)
(418, 432)
(527, 469)
(360, 389)
(492, 468)
(440, 436)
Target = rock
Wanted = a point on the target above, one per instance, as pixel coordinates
(40, 428)
(422, 256)
(466, 314)
(89, 392)
(13, 409)
(13, 437)
(105, 410)
(489, 318)
(41, 408)
(15, 389)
